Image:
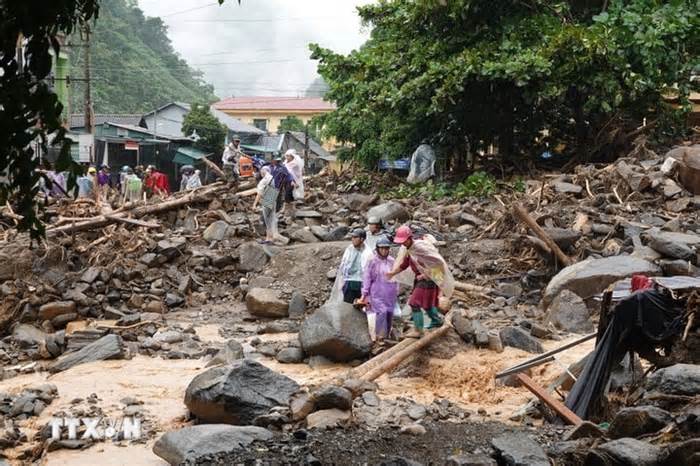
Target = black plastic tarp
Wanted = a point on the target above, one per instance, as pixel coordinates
(640, 323)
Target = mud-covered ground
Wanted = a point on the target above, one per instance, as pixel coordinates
(387, 446)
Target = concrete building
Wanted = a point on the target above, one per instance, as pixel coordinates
(266, 113)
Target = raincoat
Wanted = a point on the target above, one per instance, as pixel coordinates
(380, 292)
(193, 181)
(350, 255)
(429, 263)
(296, 169)
(269, 214)
(133, 188)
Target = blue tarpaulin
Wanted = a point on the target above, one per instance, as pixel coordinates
(398, 164)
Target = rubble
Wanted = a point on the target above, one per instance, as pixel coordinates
(107, 347)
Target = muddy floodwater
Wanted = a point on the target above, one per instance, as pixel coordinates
(466, 379)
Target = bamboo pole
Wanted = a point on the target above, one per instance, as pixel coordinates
(400, 356)
(520, 212)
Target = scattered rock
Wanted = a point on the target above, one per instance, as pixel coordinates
(679, 379)
(337, 234)
(232, 351)
(516, 337)
(625, 452)
(638, 420)
(357, 386)
(252, 257)
(327, 418)
(336, 331)
(56, 308)
(569, 313)
(297, 305)
(670, 245)
(567, 188)
(91, 275)
(592, 276)
(304, 235)
(216, 231)
(586, 429)
(516, 449)
(290, 355)
(470, 460)
(416, 412)
(301, 405)
(26, 335)
(370, 399)
(238, 393)
(108, 347)
(331, 396)
(414, 429)
(389, 211)
(192, 443)
(262, 302)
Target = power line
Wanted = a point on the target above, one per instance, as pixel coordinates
(190, 9)
(261, 20)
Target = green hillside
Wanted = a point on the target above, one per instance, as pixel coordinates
(134, 66)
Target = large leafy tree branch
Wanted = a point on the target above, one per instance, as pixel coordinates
(212, 134)
(474, 73)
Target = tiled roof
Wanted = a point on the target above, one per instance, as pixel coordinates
(274, 103)
(78, 120)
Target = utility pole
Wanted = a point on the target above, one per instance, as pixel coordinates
(88, 90)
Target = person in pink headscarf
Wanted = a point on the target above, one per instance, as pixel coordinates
(295, 166)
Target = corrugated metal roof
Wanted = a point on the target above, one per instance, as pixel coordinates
(275, 103)
(234, 124)
(78, 120)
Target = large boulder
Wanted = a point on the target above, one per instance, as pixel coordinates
(108, 347)
(672, 244)
(679, 379)
(517, 448)
(568, 312)
(388, 211)
(304, 235)
(238, 393)
(590, 277)
(190, 444)
(26, 336)
(252, 257)
(336, 331)
(263, 302)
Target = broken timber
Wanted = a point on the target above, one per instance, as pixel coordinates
(521, 213)
(398, 357)
(198, 195)
(566, 414)
(378, 359)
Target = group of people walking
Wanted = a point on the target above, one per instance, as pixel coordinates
(129, 184)
(370, 277)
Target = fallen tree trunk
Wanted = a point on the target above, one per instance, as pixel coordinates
(521, 213)
(400, 356)
(361, 370)
(200, 195)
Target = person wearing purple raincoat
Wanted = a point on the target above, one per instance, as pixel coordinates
(379, 293)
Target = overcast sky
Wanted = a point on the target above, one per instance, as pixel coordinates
(260, 46)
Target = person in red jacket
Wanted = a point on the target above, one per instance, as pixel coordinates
(156, 182)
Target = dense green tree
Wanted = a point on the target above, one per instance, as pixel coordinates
(212, 134)
(134, 66)
(294, 123)
(513, 74)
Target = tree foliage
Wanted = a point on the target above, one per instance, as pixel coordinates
(134, 66)
(212, 134)
(294, 123)
(474, 73)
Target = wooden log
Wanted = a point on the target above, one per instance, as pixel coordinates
(132, 221)
(469, 288)
(520, 212)
(378, 359)
(559, 407)
(214, 167)
(198, 195)
(400, 356)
